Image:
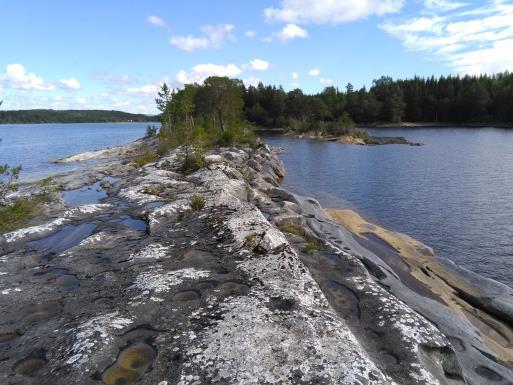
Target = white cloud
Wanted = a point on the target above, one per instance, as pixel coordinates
(156, 21)
(326, 82)
(295, 75)
(1, 90)
(259, 65)
(146, 89)
(189, 43)
(314, 72)
(71, 83)
(202, 71)
(251, 81)
(214, 37)
(330, 11)
(81, 100)
(291, 31)
(443, 5)
(218, 34)
(16, 77)
(251, 34)
(471, 41)
(295, 85)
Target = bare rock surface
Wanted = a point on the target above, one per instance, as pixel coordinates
(257, 286)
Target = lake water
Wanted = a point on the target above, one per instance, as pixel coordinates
(35, 146)
(455, 194)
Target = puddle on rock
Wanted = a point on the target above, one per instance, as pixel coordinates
(132, 363)
(6, 336)
(64, 239)
(133, 223)
(234, 288)
(186, 295)
(87, 194)
(206, 285)
(30, 365)
(36, 312)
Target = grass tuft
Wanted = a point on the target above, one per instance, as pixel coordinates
(197, 202)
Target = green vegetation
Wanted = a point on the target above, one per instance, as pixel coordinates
(293, 228)
(8, 178)
(311, 246)
(199, 116)
(151, 131)
(16, 213)
(71, 116)
(197, 202)
(145, 155)
(452, 99)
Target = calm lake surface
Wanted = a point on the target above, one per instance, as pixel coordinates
(35, 146)
(454, 194)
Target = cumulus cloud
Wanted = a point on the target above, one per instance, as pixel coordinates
(472, 41)
(156, 21)
(330, 11)
(214, 36)
(251, 81)
(326, 82)
(291, 31)
(146, 89)
(188, 43)
(202, 71)
(251, 34)
(259, 65)
(71, 83)
(314, 72)
(295, 75)
(218, 34)
(17, 77)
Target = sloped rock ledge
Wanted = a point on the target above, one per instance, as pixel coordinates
(219, 294)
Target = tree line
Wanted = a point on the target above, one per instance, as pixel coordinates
(451, 99)
(71, 116)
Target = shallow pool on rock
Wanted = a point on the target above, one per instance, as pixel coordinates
(64, 239)
(87, 194)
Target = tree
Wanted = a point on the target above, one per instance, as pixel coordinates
(8, 178)
(164, 98)
(390, 95)
(221, 99)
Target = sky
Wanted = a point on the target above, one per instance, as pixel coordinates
(115, 54)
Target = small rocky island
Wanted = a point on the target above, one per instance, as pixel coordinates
(153, 276)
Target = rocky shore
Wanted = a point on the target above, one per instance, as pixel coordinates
(221, 276)
(360, 141)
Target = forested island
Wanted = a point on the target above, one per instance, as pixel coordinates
(455, 100)
(452, 99)
(71, 116)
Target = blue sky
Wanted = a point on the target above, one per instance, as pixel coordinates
(114, 54)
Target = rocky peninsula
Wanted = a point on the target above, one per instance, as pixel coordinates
(152, 276)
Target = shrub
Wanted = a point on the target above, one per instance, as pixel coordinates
(293, 229)
(145, 155)
(311, 246)
(197, 202)
(8, 178)
(192, 160)
(18, 213)
(151, 131)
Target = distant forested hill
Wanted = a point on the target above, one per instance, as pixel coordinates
(72, 116)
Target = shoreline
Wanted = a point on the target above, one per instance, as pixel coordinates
(433, 125)
(381, 299)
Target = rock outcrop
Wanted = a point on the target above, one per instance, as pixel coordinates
(253, 286)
